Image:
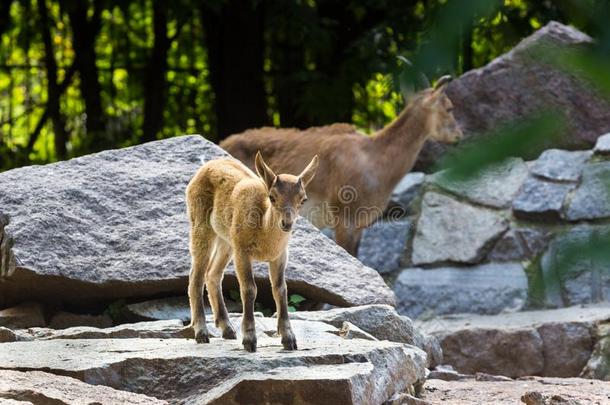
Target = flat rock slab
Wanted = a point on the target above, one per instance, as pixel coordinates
(113, 225)
(182, 371)
(555, 343)
(452, 231)
(483, 289)
(142, 330)
(168, 308)
(564, 390)
(380, 321)
(494, 187)
(37, 387)
(592, 198)
(344, 383)
(560, 165)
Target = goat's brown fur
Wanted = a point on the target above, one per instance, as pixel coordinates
(235, 213)
(357, 173)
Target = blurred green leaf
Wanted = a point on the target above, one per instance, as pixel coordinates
(516, 139)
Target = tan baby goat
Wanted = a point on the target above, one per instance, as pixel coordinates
(235, 213)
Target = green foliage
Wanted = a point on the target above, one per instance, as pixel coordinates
(324, 62)
(294, 301)
(116, 310)
(524, 139)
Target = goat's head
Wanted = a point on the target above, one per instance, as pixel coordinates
(286, 192)
(441, 125)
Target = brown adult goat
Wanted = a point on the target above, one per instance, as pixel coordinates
(357, 173)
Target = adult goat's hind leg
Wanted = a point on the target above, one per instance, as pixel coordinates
(202, 237)
(348, 237)
(220, 259)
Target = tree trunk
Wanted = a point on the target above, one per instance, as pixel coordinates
(53, 91)
(467, 51)
(234, 36)
(84, 32)
(5, 15)
(288, 55)
(155, 85)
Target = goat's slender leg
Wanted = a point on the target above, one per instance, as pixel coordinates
(202, 237)
(247, 289)
(348, 237)
(277, 269)
(220, 259)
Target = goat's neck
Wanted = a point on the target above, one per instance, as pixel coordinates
(271, 221)
(395, 148)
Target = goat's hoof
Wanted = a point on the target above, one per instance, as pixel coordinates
(249, 345)
(202, 337)
(229, 333)
(289, 343)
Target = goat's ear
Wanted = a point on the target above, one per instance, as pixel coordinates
(310, 171)
(264, 171)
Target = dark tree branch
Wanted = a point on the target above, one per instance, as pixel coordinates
(46, 114)
(155, 86)
(53, 94)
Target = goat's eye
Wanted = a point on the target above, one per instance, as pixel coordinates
(272, 199)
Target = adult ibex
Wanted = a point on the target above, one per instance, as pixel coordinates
(357, 172)
(235, 213)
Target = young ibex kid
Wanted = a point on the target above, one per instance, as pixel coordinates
(234, 213)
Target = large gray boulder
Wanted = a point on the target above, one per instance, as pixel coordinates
(591, 200)
(598, 366)
(520, 244)
(37, 387)
(405, 194)
(560, 165)
(483, 289)
(541, 200)
(452, 231)
(556, 343)
(357, 371)
(519, 83)
(383, 244)
(571, 278)
(494, 187)
(113, 225)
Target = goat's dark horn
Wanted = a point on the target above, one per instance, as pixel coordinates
(443, 81)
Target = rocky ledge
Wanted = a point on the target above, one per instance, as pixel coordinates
(564, 342)
(159, 364)
(528, 391)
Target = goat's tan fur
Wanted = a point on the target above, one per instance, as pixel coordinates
(369, 166)
(235, 213)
